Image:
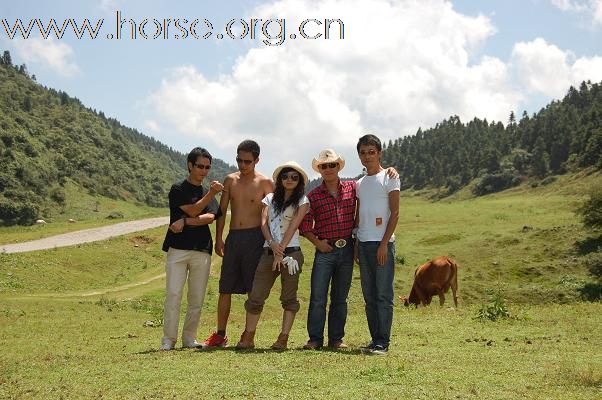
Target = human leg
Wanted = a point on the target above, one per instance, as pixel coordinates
(367, 259)
(198, 275)
(176, 270)
(321, 275)
(384, 275)
(341, 283)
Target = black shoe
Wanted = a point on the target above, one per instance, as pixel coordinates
(368, 348)
(380, 350)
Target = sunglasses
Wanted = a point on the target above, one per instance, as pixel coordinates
(201, 166)
(241, 161)
(330, 165)
(289, 175)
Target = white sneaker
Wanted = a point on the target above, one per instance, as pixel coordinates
(166, 346)
(193, 345)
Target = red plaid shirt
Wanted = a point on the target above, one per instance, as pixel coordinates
(330, 218)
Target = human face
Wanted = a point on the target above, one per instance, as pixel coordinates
(199, 169)
(246, 162)
(369, 156)
(329, 171)
(290, 179)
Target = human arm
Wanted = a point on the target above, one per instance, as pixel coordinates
(221, 221)
(267, 234)
(356, 224)
(381, 253)
(193, 210)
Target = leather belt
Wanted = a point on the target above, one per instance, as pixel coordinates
(339, 243)
(288, 250)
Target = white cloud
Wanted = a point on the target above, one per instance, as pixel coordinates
(546, 69)
(402, 65)
(52, 53)
(152, 125)
(589, 8)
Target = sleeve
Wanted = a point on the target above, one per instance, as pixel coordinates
(176, 197)
(393, 184)
(213, 208)
(267, 200)
(307, 224)
(303, 200)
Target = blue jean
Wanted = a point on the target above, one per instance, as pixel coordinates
(377, 287)
(335, 267)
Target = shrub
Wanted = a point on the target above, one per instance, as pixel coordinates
(491, 183)
(591, 210)
(495, 310)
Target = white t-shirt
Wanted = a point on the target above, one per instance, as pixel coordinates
(279, 223)
(373, 193)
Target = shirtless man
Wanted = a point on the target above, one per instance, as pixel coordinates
(243, 191)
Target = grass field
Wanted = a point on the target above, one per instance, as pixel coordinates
(72, 319)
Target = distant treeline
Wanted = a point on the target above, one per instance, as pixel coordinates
(564, 136)
(47, 137)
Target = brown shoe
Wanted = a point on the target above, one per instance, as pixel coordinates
(281, 342)
(338, 345)
(246, 341)
(312, 346)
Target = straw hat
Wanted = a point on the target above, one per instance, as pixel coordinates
(293, 165)
(327, 156)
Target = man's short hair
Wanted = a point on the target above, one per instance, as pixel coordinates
(369, 140)
(196, 153)
(250, 146)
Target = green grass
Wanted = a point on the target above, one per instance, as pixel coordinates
(72, 320)
(88, 212)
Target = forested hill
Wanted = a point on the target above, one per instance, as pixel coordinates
(48, 137)
(566, 135)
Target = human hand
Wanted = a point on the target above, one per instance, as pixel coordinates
(381, 254)
(392, 173)
(215, 187)
(323, 246)
(219, 247)
(277, 264)
(177, 226)
(277, 248)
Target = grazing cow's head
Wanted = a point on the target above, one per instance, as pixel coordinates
(405, 300)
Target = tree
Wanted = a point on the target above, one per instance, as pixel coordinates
(540, 161)
(6, 58)
(591, 210)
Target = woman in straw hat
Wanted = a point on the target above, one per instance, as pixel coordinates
(282, 214)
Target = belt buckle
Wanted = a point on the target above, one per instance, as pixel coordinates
(340, 243)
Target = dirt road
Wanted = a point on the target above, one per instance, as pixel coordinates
(85, 236)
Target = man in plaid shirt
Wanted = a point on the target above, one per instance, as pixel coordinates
(328, 225)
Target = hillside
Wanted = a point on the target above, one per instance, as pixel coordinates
(48, 138)
(564, 136)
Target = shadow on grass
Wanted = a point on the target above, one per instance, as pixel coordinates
(591, 292)
(589, 245)
(353, 352)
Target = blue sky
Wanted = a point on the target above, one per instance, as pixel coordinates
(401, 65)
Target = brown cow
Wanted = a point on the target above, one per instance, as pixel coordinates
(433, 278)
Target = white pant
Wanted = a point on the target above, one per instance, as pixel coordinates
(181, 264)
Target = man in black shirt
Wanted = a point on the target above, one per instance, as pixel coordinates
(189, 245)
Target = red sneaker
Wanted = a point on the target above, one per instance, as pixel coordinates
(216, 340)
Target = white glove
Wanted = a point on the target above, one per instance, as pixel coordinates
(292, 265)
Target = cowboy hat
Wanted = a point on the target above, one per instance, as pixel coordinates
(327, 156)
(293, 165)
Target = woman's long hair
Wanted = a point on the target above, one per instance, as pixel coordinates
(278, 201)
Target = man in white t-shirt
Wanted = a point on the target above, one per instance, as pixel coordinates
(376, 218)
